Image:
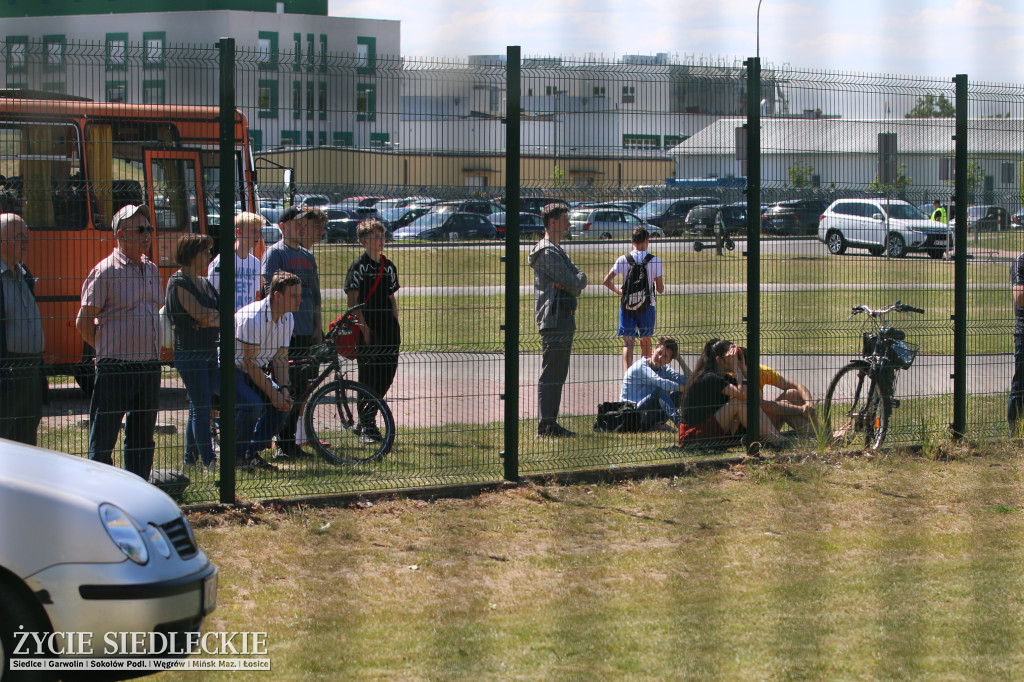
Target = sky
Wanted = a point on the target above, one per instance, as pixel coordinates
(936, 38)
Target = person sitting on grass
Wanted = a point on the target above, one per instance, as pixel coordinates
(655, 387)
(715, 400)
(793, 406)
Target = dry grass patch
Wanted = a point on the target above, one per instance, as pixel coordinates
(893, 567)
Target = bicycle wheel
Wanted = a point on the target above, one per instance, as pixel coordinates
(334, 427)
(855, 409)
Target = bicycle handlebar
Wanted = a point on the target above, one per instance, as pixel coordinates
(897, 307)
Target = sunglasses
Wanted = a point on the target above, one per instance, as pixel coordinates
(145, 229)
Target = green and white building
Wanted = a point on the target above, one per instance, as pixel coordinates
(302, 78)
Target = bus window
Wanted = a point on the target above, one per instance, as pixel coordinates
(41, 175)
(175, 201)
(116, 152)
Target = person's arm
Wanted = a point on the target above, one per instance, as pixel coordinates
(204, 317)
(673, 376)
(787, 385)
(1018, 295)
(213, 273)
(394, 305)
(250, 364)
(562, 271)
(279, 370)
(609, 281)
(657, 377)
(353, 299)
(659, 284)
(85, 323)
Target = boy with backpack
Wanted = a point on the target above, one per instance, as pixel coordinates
(642, 275)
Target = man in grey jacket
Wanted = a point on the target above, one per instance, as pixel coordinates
(558, 283)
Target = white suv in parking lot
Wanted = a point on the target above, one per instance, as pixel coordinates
(879, 225)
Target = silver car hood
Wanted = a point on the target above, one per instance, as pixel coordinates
(49, 504)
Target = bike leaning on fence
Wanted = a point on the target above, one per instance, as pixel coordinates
(334, 403)
(861, 396)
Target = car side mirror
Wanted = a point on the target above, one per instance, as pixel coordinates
(877, 216)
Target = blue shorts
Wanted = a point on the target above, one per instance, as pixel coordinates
(639, 325)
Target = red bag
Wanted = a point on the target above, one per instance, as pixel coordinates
(347, 338)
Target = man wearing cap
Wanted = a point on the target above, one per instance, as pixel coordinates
(121, 300)
(300, 227)
(21, 337)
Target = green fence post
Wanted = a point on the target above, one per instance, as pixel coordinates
(753, 156)
(226, 241)
(510, 454)
(959, 425)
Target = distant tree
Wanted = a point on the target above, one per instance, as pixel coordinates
(800, 175)
(975, 177)
(558, 177)
(898, 187)
(931, 106)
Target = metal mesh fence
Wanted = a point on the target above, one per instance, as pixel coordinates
(850, 167)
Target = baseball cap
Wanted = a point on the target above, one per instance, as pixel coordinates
(293, 213)
(126, 213)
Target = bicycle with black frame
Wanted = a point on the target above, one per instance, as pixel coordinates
(862, 395)
(346, 422)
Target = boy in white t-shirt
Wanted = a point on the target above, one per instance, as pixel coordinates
(634, 325)
(248, 230)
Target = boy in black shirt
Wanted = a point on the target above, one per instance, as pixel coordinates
(372, 279)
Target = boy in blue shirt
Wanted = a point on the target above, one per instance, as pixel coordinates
(654, 387)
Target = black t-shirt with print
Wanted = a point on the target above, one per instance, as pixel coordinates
(378, 311)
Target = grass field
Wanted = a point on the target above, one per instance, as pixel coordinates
(893, 568)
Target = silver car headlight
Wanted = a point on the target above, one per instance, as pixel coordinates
(124, 533)
(158, 541)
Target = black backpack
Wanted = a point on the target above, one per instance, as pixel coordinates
(636, 290)
(618, 417)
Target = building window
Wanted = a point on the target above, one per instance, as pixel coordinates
(117, 91)
(296, 99)
(366, 54)
(379, 139)
(297, 63)
(321, 102)
(1007, 174)
(153, 92)
(343, 139)
(266, 98)
(641, 142)
(599, 91)
(322, 138)
(628, 94)
(17, 54)
(310, 54)
(53, 53)
(153, 45)
(673, 140)
(309, 138)
(310, 99)
(116, 51)
(266, 50)
(290, 138)
(366, 102)
(256, 139)
(323, 51)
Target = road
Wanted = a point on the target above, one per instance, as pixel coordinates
(435, 389)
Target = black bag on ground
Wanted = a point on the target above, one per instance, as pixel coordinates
(171, 482)
(618, 417)
(636, 289)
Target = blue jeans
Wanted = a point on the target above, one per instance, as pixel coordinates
(256, 418)
(124, 388)
(1015, 405)
(198, 370)
(656, 407)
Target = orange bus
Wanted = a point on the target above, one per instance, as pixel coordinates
(67, 164)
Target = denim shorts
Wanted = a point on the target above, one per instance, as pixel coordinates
(639, 325)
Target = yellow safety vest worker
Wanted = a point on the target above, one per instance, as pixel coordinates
(939, 215)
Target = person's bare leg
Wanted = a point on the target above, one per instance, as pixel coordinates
(645, 346)
(628, 342)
